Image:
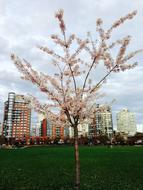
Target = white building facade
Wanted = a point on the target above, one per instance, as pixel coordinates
(83, 130)
(102, 121)
(126, 122)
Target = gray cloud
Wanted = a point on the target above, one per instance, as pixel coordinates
(25, 24)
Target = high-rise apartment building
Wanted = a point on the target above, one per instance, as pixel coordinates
(44, 128)
(17, 117)
(52, 131)
(126, 122)
(58, 131)
(102, 121)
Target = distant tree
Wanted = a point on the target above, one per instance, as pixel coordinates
(131, 140)
(83, 140)
(120, 138)
(136, 139)
(70, 89)
(103, 139)
(2, 140)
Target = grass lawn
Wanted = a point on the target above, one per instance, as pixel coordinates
(52, 168)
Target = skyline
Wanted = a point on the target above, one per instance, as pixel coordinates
(34, 124)
(21, 29)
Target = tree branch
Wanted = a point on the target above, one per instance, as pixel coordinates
(97, 85)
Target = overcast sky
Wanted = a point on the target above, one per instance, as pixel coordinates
(27, 23)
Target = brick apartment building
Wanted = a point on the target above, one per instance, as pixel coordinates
(17, 117)
(51, 131)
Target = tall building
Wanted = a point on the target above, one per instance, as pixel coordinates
(49, 129)
(126, 122)
(17, 117)
(66, 132)
(52, 131)
(58, 132)
(83, 129)
(44, 128)
(35, 131)
(101, 121)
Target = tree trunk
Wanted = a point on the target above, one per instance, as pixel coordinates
(77, 163)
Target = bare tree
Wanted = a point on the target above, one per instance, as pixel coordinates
(70, 89)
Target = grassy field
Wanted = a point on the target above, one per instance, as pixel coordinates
(51, 168)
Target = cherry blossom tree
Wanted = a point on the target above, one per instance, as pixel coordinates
(72, 88)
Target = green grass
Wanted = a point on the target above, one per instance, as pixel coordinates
(52, 168)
